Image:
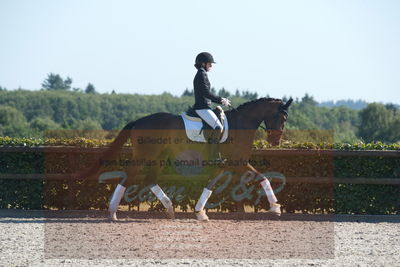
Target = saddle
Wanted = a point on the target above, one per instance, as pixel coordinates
(205, 132)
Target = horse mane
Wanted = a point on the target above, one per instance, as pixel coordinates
(267, 99)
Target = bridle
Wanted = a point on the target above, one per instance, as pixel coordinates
(281, 110)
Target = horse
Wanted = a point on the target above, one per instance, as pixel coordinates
(154, 134)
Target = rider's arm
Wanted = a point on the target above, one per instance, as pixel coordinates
(205, 89)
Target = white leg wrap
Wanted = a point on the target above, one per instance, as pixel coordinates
(156, 189)
(266, 185)
(203, 199)
(116, 198)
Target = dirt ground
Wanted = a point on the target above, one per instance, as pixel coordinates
(76, 238)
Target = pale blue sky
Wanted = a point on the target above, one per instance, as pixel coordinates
(330, 49)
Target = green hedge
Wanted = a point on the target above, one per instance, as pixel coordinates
(184, 191)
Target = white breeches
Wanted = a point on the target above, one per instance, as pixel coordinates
(209, 116)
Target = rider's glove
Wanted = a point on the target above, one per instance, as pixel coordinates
(225, 102)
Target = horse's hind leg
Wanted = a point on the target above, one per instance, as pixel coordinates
(164, 199)
(125, 180)
(275, 208)
(115, 200)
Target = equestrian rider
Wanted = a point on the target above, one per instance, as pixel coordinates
(204, 96)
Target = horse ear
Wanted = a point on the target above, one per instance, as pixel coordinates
(288, 103)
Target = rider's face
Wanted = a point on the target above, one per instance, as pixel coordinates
(207, 66)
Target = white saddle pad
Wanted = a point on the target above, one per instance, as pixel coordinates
(193, 128)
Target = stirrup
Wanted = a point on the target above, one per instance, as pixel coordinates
(219, 161)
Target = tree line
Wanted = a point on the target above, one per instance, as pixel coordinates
(58, 105)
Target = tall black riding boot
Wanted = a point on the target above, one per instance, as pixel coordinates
(215, 154)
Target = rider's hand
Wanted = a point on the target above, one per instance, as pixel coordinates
(225, 102)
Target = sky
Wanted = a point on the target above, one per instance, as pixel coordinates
(331, 50)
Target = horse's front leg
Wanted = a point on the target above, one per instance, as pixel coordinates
(275, 208)
(151, 181)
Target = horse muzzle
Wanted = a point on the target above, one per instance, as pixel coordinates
(274, 137)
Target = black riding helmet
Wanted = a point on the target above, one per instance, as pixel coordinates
(204, 57)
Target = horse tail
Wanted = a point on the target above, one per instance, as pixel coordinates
(115, 147)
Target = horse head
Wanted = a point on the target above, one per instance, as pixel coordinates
(275, 119)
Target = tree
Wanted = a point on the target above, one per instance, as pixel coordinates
(224, 93)
(42, 124)
(86, 124)
(393, 133)
(377, 123)
(87, 128)
(69, 110)
(12, 122)
(55, 82)
(237, 93)
(188, 93)
(308, 100)
(249, 95)
(391, 107)
(90, 89)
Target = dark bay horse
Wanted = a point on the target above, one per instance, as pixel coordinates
(153, 135)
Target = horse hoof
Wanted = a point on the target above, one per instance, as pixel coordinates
(170, 213)
(113, 216)
(202, 216)
(275, 209)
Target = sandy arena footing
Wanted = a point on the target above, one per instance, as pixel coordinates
(72, 238)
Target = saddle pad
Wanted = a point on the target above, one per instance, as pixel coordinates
(193, 128)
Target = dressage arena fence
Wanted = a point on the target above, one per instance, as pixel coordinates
(305, 180)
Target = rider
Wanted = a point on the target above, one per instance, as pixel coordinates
(204, 97)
